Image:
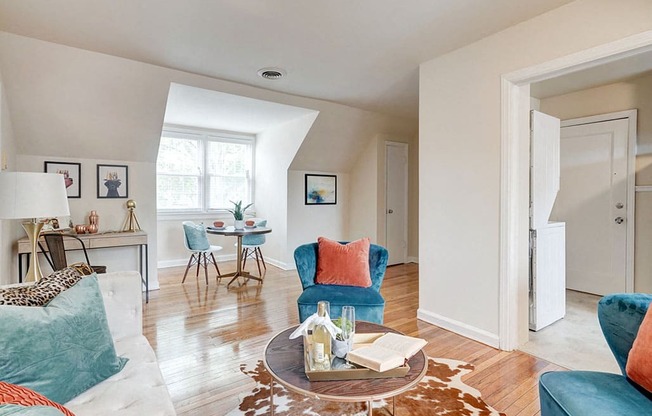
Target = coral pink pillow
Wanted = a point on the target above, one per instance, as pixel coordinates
(19, 395)
(343, 264)
(639, 361)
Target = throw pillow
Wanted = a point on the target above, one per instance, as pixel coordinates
(41, 292)
(19, 395)
(343, 264)
(639, 361)
(62, 349)
(196, 236)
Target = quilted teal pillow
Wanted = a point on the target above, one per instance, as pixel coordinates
(62, 349)
(196, 236)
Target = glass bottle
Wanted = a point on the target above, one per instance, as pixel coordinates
(321, 340)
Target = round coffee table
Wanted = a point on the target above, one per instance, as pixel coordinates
(284, 360)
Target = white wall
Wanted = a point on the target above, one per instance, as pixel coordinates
(112, 212)
(460, 157)
(363, 220)
(329, 221)
(8, 228)
(626, 95)
(68, 102)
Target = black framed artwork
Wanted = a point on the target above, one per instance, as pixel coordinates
(71, 175)
(112, 181)
(321, 189)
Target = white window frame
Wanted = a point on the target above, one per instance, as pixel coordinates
(204, 136)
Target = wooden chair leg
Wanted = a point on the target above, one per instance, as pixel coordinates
(262, 258)
(188, 267)
(260, 273)
(219, 275)
(205, 265)
(198, 264)
(245, 254)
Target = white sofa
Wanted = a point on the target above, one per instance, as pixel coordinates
(139, 389)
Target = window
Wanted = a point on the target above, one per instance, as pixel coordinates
(202, 171)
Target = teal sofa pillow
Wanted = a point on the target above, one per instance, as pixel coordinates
(62, 349)
(196, 236)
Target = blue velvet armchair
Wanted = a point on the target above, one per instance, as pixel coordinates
(602, 394)
(369, 304)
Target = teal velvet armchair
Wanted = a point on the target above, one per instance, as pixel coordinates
(579, 393)
(369, 304)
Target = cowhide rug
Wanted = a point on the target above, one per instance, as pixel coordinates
(440, 392)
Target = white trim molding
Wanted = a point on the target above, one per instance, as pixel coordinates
(413, 259)
(513, 320)
(460, 328)
(644, 188)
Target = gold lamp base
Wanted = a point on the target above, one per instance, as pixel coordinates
(33, 230)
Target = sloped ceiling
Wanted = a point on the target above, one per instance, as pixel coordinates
(362, 53)
(69, 102)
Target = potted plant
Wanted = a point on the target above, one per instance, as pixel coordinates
(238, 214)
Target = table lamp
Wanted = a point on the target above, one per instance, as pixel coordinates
(31, 195)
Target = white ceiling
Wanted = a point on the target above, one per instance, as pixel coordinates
(363, 53)
(198, 107)
(615, 71)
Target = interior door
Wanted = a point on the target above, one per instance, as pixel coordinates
(592, 201)
(396, 201)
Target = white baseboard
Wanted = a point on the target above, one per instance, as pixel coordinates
(226, 257)
(163, 264)
(460, 328)
(412, 259)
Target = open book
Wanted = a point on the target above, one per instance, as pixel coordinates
(387, 352)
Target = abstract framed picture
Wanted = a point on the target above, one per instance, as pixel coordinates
(321, 189)
(71, 175)
(112, 181)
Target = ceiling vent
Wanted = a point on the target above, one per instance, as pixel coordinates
(271, 73)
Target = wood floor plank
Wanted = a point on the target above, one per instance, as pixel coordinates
(202, 333)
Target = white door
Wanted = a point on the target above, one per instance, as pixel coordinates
(592, 200)
(396, 158)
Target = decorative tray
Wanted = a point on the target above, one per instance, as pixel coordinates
(357, 373)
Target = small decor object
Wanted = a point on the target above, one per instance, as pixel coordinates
(250, 223)
(94, 222)
(343, 342)
(218, 224)
(131, 223)
(112, 181)
(321, 189)
(71, 175)
(80, 228)
(238, 214)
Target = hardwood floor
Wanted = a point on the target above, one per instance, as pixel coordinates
(202, 333)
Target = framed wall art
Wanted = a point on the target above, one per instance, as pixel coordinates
(112, 181)
(321, 189)
(71, 174)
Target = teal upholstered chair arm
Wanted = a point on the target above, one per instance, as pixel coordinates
(305, 257)
(377, 265)
(620, 316)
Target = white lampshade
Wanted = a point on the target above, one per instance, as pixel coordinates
(32, 195)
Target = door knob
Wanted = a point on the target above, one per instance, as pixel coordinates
(619, 220)
(619, 205)
(391, 211)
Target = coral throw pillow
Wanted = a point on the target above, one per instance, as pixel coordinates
(639, 361)
(19, 395)
(343, 264)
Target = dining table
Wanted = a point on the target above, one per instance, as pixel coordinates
(239, 233)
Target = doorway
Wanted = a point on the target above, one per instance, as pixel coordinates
(396, 201)
(515, 162)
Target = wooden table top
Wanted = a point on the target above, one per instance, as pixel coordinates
(284, 360)
(230, 230)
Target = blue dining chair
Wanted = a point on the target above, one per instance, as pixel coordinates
(201, 251)
(251, 247)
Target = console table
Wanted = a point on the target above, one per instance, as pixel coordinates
(98, 241)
